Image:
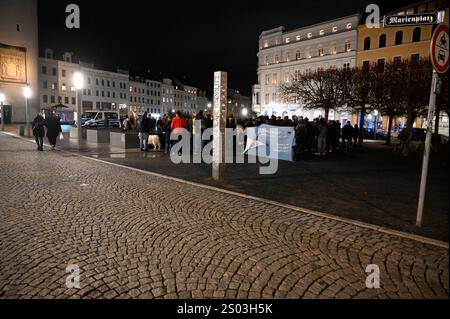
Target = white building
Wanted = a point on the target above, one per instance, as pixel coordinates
(19, 57)
(103, 90)
(145, 96)
(286, 55)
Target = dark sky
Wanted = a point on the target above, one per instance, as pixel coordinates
(188, 40)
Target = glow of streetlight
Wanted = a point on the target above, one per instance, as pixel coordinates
(209, 105)
(27, 92)
(77, 80)
(244, 112)
(2, 98)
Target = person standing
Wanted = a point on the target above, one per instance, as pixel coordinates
(39, 131)
(178, 125)
(356, 133)
(322, 137)
(144, 131)
(53, 129)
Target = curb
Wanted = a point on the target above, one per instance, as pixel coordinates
(385, 230)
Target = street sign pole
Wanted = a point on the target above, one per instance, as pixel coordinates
(439, 54)
(426, 155)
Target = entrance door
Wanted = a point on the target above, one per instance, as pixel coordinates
(8, 114)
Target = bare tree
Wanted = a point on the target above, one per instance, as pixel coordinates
(320, 89)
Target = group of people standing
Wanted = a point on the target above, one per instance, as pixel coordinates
(51, 124)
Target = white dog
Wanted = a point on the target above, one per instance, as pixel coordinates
(154, 140)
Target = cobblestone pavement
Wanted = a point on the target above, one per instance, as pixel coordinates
(138, 236)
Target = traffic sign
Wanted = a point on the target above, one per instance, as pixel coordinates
(439, 48)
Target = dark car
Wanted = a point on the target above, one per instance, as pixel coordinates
(418, 134)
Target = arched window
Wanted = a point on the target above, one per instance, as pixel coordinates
(398, 37)
(382, 41)
(416, 34)
(367, 43)
(297, 55)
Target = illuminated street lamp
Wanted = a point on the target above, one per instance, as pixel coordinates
(78, 83)
(27, 94)
(2, 100)
(244, 112)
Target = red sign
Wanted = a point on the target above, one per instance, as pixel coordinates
(439, 48)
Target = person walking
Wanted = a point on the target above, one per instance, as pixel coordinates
(53, 129)
(144, 132)
(167, 128)
(356, 133)
(39, 131)
(347, 136)
(178, 125)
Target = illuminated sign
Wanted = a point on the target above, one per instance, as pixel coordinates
(410, 19)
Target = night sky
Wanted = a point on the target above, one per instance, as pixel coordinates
(188, 40)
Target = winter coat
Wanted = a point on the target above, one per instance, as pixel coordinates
(53, 126)
(38, 126)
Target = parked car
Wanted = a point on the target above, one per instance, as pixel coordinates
(98, 118)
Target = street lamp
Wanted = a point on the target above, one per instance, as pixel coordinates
(244, 112)
(2, 100)
(78, 83)
(27, 94)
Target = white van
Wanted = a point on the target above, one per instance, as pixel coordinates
(98, 118)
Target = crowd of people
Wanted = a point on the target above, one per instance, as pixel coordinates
(317, 137)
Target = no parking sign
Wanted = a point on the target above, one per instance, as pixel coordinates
(439, 49)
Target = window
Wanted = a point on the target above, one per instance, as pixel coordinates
(277, 59)
(287, 57)
(366, 66)
(367, 43)
(320, 51)
(397, 60)
(66, 100)
(54, 85)
(52, 99)
(44, 99)
(348, 47)
(266, 43)
(297, 38)
(321, 32)
(267, 79)
(309, 35)
(96, 93)
(103, 82)
(63, 87)
(288, 40)
(60, 99)
(308, 53)
(398, 37)
(286, 77)
(108, 83)
(89, 80)
(297, 75)
(96, 81)
(54, 71)
(382, 41)
(346, 66)
(333, 49)
(44, 69)
(334, 29)
(380, 65)
(297, 55)
(274, 98)
(44, 84)
(349, 25)
(274, 78)
(63, 73)
(416, 34)
(266, 99)
(415, 58)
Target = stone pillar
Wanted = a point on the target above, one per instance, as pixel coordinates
(220, 120)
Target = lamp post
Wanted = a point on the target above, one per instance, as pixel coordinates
(78, 82)
(2, 99)
(27, 94)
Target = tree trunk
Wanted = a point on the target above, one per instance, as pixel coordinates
(327, 113)
(410, 117)
(388, 135)
(362, 116)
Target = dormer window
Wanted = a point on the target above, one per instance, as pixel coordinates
(349, 25)
(297, 38)
(322, 32)
(334, 29)
(309, 35)
(288, 40)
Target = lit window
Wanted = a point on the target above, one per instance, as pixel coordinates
(288, 40)
(266, 43)
(320, 51)
(322, 32)
(297, 55)
(286, 77)
(348, 47)
(349, 25)
(334, 29)
(309, 35)
(297, 38)
(287, 57)
(308, 53)
(274, 79)
(63, 87)
(333, 48)
(277, 59)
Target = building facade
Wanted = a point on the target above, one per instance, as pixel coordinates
(19, 54)
(378, 46)
(286, 55)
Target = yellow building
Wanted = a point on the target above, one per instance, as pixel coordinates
(387, 44)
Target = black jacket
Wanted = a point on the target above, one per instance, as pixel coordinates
(38, 126)
(53, 126)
